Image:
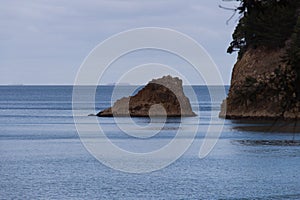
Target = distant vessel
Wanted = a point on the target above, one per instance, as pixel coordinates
(15, 84)
(121, 84)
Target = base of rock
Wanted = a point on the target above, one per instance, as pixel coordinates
(132, 115)
(257, 113)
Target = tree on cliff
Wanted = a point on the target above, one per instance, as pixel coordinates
(267, 23)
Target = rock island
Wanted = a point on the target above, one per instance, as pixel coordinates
(160, 97)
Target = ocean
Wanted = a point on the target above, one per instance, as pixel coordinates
(42, 156)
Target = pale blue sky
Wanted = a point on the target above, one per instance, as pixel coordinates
(45, 41)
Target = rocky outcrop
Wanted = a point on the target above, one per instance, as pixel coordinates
(160, 97)
(261, 87)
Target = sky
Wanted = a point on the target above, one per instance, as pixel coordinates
(44, 42)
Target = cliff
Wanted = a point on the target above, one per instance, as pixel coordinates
(261, 87)
(160, 97)
(265, 81)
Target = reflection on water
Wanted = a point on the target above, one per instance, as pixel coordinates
(268, 142)
(277, 126)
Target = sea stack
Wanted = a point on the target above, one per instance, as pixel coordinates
(160, 97)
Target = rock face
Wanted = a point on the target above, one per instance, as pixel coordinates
(160, 97)
(260, 87)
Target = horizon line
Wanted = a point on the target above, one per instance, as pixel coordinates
(20, 85)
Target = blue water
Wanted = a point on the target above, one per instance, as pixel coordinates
(42, 157)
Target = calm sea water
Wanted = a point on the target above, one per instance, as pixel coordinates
(42, 157)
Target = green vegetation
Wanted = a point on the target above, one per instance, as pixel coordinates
(267, 23)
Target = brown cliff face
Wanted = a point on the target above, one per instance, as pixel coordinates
(160, 97)
(261, 87)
